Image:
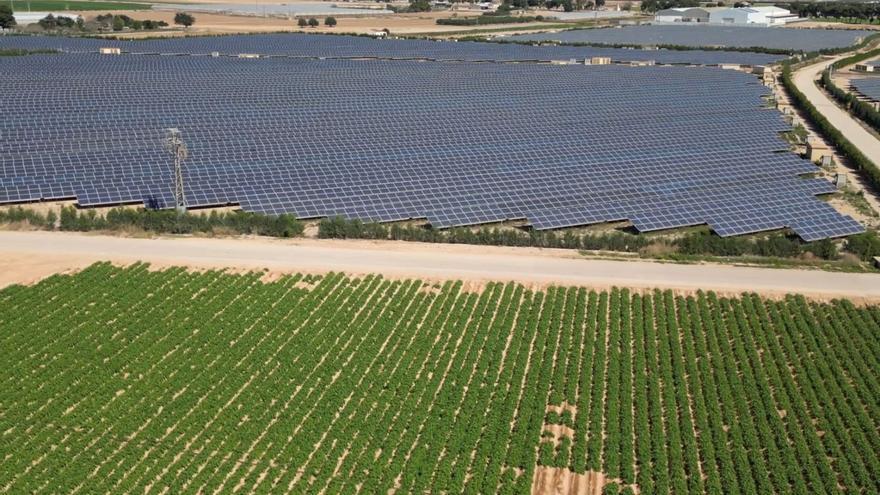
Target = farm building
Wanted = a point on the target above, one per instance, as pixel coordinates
(870, 66)
(764, 16)
(682, 15)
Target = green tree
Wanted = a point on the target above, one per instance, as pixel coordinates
(865, 246)
(329, 21)
(184, 19)
(7, 20)
(48, 23)
(118, 23)
(419, 6)
(302, 22)
(313, 22)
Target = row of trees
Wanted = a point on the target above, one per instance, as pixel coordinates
(313, 23)
(104, 22)
(565, 5)
(837, 10)
(121, 21)
(169, 221)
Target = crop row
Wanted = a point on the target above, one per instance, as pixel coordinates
(132, 380)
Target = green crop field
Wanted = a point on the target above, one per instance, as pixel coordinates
(136, 381)
(75, 5)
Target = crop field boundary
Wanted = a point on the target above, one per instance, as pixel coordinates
(30, 256)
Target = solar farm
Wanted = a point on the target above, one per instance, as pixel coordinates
(317, 46)
(868, 86)
(222, 369)
(455, 143)
(805, 40)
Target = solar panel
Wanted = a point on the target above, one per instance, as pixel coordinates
(868, 86)
(305, 45)
(457, 143)
(804, 40)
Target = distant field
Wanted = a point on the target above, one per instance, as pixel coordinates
(131, 381)
(55, 5)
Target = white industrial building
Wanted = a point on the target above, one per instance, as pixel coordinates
(682, 14)
(760, 16)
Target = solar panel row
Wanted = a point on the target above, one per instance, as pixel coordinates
(304, 45)
(869, 86)
(804, 40)
(456, 143)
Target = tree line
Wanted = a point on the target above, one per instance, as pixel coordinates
(837, 10)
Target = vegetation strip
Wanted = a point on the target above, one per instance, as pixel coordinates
(773, 249)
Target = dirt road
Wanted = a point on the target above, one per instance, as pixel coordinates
(29, 256)
(805, 79)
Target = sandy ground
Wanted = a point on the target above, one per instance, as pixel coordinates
(213, 23)
(831, 25)
(26, 257)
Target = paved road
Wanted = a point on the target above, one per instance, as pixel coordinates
(25, 256)
(805, 79)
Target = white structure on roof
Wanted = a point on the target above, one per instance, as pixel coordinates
(682, 14)
(762, 16)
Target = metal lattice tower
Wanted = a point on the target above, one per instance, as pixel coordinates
(175, 145)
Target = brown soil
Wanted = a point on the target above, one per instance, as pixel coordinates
(219, 23)
(558, 481)
(565, 406)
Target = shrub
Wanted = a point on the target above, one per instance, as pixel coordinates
(7, 20)
(866, 246)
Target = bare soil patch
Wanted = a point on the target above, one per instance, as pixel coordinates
(558, 481)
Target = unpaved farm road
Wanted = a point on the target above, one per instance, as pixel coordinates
(805, 80)
(29, 256)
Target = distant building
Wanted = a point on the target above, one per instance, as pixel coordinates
(682, 14)
(760, 16)
(870, 66)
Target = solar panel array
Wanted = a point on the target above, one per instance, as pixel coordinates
(456, 143)
(869, 86)
(304, 45)
(805, 40)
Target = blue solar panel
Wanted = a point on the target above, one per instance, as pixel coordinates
(304, 45)
(805, 40)
(457, 143)
(868, 86)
